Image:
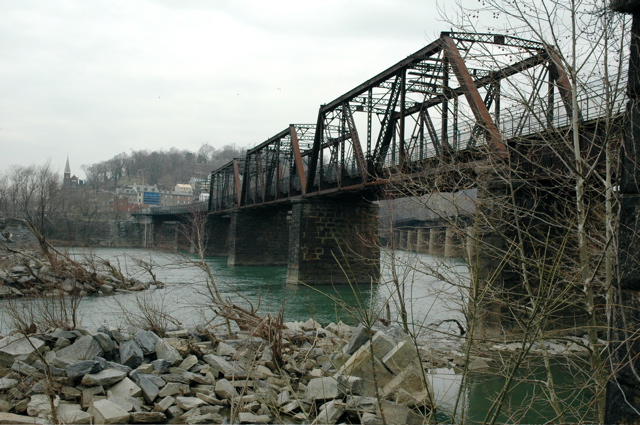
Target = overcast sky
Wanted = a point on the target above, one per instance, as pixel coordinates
(92, 79)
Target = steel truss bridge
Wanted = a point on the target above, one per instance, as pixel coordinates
(463, 96)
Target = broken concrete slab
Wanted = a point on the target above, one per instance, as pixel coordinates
(323, 389)
(330, 413)
(164, 350)
(73, 414)
(400, 356)
(13, 419)
(107, 412)
(19, 347)
(125, 388)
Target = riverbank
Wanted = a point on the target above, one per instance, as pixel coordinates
(306, 373)
(26, 271)
(278, 373)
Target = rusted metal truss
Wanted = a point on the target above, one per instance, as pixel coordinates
(462, 93)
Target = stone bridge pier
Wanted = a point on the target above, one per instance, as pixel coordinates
(328, 241)
(333, 241)
(259, 237)
(159, 233)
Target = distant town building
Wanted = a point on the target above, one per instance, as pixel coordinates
(186, 188)
(137, 197)
(69, 181)
(147, 195)
(170, 199)
(199, 184)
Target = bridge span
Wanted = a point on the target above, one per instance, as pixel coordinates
(450, 117)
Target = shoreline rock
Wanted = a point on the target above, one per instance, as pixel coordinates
(315, 379)
(29, 274)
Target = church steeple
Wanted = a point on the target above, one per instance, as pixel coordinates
(66, 181)
(67, 169)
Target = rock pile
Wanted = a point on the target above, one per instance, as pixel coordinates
(22, 277)
(323, 375)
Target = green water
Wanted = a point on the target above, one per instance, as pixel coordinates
(185, 294)
(433, 288)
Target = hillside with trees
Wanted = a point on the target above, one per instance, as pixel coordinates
(162, 168)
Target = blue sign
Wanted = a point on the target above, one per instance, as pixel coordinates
(151, 198)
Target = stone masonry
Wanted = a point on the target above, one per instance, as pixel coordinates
(333, 242)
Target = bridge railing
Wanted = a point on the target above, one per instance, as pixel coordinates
(195, 207)
(595, 101)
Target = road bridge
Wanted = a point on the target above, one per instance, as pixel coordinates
(450, 117)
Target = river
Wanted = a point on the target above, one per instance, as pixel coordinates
(434, 290)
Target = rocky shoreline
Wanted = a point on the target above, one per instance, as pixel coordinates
(324, 375)
(311, 374)
(27, 272)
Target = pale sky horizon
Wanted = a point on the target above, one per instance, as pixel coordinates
(95, 79)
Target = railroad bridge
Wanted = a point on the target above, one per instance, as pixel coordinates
(466, 111)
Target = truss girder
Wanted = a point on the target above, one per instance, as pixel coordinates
(439, 101)
(226, 186)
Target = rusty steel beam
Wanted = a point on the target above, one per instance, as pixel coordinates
(484, 81)
(315, 151)
(260, 186)
(418, 56)
(238, 183)
(269, 141)
(387, 127)
(433, 134)
(297, 156)
(403, 99)
(563, 82)
(357, 147)
(476, 103)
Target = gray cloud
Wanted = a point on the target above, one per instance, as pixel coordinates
(93, 79)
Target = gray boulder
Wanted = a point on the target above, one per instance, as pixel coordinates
(224, 389)
(105, 377)
(149, 389)
(330, 413)
(107, 412)
(131, 354)
(146, 341)
(18, 347)
(161, 366)
(125, 388)
(148, 417)
(357, 340)
(85, 348)
(105, 341)
(323, 389)
(70, 413)
(40, 405)
(82, 368)
(166, 351)
(188, 403)
(11, 418)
